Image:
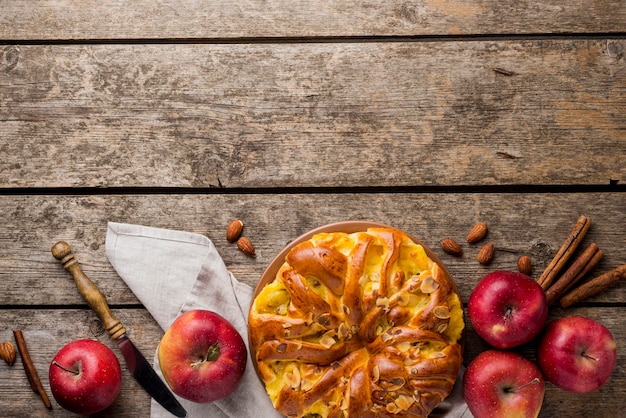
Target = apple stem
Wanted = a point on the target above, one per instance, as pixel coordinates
(587, 356)
(76, 372)
(518, 388)
(508, 313)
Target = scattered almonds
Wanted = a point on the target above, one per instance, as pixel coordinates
(246, 247)
(233, 232)
(524, 265)
(8, 353)
(485, 255)
(476, 233)
(451, 247)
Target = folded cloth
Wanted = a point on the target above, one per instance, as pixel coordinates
(172, 272)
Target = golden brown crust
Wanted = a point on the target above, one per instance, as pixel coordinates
(357, 325)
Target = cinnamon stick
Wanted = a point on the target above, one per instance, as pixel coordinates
(565, 252)
(579, 267)
(594, 286)
(29, 368)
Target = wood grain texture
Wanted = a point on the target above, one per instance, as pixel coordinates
(308, 115)
(531, 224)
(224, 110)
(108, 19)
(47, 331)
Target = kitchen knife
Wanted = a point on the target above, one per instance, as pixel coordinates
(135, 361)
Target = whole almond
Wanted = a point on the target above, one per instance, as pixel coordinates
(234, 230)
(524, 265)
(478, 232)
(246, 246)
(7, 352)
(485, 255)
(451, 247)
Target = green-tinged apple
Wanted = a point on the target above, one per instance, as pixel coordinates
(85, 377)
(507, 309)
(577, 353)
(499, 384)
(202, 356)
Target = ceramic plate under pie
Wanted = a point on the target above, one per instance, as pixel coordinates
(356, 319)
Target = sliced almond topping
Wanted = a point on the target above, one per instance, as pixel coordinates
(286, 325)
(282, 347)
(363, 279)
(442, 327)
(330, 333)
(437, 354)
(346, 309)
(396, 383)
(417, 395)
(293, 378)
(392, 408)
(375, 374)
(442, 312)
(404, 402)
(343, 331)
(306, 384)
(327, 341)
(429, 285)
(404, 298)
(404, 346)
(379, 330)
(386, 337)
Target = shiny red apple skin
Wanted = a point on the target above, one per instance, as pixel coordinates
(500, 383)
(577, 353)
(507, 309)
(89, 379)
(184, 347)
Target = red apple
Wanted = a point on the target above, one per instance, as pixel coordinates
(202, 356)
(507, 309)
(503, 384)
(577, 353)
(85, 377)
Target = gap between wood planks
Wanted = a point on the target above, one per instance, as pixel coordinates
(321, 39)
(612, 186)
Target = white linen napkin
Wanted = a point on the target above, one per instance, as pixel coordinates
(172, 272)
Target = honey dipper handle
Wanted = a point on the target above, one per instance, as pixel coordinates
(88, 290)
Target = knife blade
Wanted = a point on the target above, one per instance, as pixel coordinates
(137, 364)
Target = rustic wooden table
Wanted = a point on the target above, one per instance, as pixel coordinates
(428, 116)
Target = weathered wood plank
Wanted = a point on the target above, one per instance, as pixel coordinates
(47, 331)
(530, 224)
(384, 114)
(110, 19)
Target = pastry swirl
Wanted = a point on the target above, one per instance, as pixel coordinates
(357, 325)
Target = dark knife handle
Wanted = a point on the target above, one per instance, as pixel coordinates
(88, 290)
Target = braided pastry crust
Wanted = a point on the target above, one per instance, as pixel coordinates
(361, 325)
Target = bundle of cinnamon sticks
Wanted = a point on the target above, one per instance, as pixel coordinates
(563, 287)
